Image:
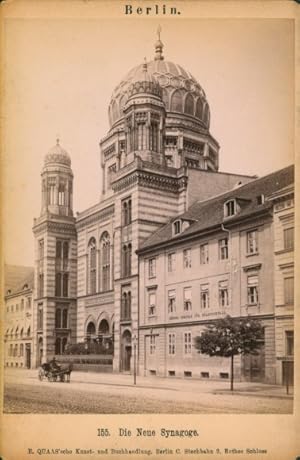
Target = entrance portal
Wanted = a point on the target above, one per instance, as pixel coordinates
(254, 366)
(28, 356)
(126, 351)
(40, 351)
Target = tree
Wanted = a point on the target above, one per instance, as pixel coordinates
(227, 337)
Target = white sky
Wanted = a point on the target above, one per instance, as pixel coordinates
(60, 75)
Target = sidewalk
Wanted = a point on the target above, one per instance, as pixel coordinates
(171, 384)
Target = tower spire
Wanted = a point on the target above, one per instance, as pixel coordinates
(158, 46)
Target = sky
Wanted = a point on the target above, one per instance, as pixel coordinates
(59, 75)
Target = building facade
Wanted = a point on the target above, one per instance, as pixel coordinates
(216, 260)
(18, 308)
(283, 201)
(157, 162)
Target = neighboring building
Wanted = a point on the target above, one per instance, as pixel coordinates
(217, 259)
(18, 316)
(283, 201)
(156, 160)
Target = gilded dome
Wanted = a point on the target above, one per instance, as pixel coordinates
(181, 93)
(57, 155)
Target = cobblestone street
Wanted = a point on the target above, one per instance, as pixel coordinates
(116, 394)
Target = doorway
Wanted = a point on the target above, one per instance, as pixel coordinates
(126, 351)
(28, 355)
(254, 366)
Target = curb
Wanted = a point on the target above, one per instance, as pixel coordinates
(256, 395)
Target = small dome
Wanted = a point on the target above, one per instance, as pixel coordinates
(144, 82)
(58, 155)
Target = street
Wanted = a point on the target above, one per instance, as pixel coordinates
(116, 394)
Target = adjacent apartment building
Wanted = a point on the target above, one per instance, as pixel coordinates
(18, 308)
(217, 259)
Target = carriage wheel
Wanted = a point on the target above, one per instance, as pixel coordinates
(50, 377)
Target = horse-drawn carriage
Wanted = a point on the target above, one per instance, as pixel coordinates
(54, 372)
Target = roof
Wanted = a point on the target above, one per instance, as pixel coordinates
(16, 277)
(210, 213)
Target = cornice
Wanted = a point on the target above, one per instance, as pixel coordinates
(96, 217)
(51, 226)
(150, 180)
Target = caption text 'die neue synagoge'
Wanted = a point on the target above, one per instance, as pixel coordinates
(172, 243)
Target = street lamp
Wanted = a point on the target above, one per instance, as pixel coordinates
(134, 359)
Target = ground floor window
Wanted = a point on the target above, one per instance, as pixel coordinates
(60, 345)
(172, 343)
(152, 344)
(289, 343)
(187, 343)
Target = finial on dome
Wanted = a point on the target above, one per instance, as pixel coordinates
(145, 66)
(158, 31)
(57, 139)
(158, 46)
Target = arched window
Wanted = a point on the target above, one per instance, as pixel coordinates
(58, 285)
(16, 350)
(129, 253)
(65, 255)
(65, 284)
(105, 261)
(52, 194)
(57, 346)
(21, 333)
(65, 318)
(189, 105)
(122, 102)
(61, 195)
(21, 349)
(141, 136)
(114, 109)
(28, 332)
(126, 259)
(199, 108)
(11, 350)
(90, 330)
(92, 266)
(165, 98)
(206, 114)
(58, 318)
(176, 101)
(103, 327)
(126, 211)
(64, 342)
(126, 306)
(154, 137)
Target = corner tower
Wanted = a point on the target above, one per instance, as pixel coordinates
(55, 259)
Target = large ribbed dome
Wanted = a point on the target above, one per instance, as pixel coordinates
(181, 92)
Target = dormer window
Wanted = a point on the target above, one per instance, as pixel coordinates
(230, 208)
(176, 227)
(260, 199)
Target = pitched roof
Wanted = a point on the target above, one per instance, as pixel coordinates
(209, 213)
(16, 276)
